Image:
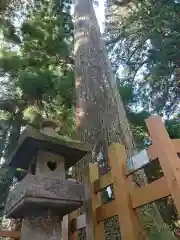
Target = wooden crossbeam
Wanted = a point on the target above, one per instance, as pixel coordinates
(10, 234)
(102, 182)
(106, 179)
(176, 143)
(153, 150)
(167, 155)
(139, 197)
(149, 193)
(73, 215)
(106, 211)
(78, 223)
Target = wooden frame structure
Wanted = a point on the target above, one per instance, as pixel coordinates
(15, 235)
(127, 196)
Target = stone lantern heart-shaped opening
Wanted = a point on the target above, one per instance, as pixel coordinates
(52, 165)
(44, 196)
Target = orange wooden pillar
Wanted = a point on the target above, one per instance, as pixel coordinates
(128, 220)
(73, 236)
(94, 230)
(10, 234)
(167, 156)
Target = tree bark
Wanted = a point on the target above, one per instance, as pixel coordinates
(14, 133)
(101, 118)
(100, 111)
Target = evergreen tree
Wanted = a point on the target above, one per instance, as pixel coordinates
(36, 67)
(143, 38)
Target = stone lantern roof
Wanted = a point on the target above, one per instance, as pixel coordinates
(32, 140)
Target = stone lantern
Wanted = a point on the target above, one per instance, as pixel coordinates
(44, 196)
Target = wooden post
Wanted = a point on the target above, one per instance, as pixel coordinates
(73, 236)
(94, 230)
(65, 223)
(128, 220)
(167, 156)
(65, 227)
(10, 234)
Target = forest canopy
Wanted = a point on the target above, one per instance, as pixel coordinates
(37, 68)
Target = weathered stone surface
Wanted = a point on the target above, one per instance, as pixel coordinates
(56, 167)
(34, 195)
(32, 140)
(41, 228)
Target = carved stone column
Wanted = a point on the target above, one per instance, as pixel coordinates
(46, 226)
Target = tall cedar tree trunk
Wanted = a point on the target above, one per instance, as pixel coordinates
(100, 111)
(101, 118)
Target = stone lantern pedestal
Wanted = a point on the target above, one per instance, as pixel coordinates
(44, 196)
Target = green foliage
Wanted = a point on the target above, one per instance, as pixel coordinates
(35, 83)
(9, 7)
(36, 64)
(41, 69)
(173, 127)
(144, 39)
